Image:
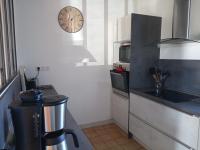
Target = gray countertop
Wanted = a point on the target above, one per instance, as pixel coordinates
(189, 107)
(84, 143)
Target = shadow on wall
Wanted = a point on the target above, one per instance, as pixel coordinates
(78, 62)
(76, 56)
(87, 47)
(90, 47)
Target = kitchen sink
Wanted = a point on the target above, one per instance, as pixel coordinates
(173, 96)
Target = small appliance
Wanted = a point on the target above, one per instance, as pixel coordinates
(120, 79)
(125, 52)
(120, 72)
(39, 121)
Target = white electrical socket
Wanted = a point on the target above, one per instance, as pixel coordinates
(43, 68)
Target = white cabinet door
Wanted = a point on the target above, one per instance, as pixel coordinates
(120, 110)
(124, 28)
(140, 131)
(194, 20)
(179, 125)
(151, 138)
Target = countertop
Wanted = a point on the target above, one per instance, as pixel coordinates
(189, 107)
(84, 143)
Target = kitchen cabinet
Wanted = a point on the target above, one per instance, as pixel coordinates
(120, 110)
(194, 20)
(124, 28)
(177, 125)
(160, 8)
(151, 138)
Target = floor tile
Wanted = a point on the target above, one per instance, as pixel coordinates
(110, 137)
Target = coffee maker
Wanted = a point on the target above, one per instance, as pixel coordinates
(39, 121)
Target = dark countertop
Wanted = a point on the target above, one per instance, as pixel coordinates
(84, 143)
(189, 107)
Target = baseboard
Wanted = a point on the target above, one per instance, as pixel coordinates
(96, 124)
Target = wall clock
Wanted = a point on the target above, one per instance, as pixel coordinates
(70, 19)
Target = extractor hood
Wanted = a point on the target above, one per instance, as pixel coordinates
(181, 23)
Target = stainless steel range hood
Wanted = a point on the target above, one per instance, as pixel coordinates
(181, 23)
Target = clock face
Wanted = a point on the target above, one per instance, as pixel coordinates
(70, 19)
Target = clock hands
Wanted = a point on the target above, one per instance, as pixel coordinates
(70, 19)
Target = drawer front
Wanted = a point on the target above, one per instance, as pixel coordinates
(151, 138)
(120, 110)
(179, 125)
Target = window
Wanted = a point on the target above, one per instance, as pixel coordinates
(8, 65)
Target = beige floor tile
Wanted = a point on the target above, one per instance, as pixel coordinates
(97, 140)
(92, 135)
(106, 138)
(123, 140)
(101, 132)
(100, 146)
(110, 137)
(111, 144)
(115, 135)
(115, 147)
(131, 146)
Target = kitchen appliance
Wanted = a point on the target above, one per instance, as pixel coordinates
(39, 121)
(120, 82)
(120, 72)
(125, 52)
(182, 28)
(54, 113)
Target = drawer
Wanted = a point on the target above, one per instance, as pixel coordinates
(152, 138)
(179, 125)
(120, 107)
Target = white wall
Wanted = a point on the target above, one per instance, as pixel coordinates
(78, 63)
(160, 8)
(164, 9)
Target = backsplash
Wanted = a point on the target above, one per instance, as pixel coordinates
(184, 75)
(5, 117)
(144, 52)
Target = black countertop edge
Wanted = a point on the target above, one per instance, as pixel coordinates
(141, 92)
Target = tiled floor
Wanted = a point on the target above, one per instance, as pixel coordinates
(110, 137)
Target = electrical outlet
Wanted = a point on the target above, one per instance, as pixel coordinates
(43, 68)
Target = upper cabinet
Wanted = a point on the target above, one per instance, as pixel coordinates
(124, 28)
(194, 20)
(159, 8)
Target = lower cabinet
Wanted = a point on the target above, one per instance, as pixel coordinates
(176, 124)
(151, 138)
(120, 106)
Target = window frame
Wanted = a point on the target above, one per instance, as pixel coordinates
(8, 58)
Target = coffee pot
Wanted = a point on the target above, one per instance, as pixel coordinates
(39, 121)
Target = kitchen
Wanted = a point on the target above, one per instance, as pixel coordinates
(78, 66)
